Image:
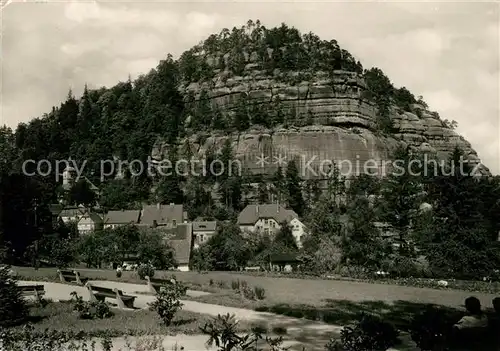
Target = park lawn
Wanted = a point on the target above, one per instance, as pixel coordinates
(61, 317)
(278, 291)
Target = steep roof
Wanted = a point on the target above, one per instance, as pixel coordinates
(162, 214)
(252, 213)
(93, 216)
(180, 238)
(73, 211)
(122, 217)
(204, 226)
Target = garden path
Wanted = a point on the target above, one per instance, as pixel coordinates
(300, 332)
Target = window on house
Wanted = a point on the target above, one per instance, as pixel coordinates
(273, 223)
(266, 231)
(174, 222)
(202, 238)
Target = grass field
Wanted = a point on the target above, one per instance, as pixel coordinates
(278, 291)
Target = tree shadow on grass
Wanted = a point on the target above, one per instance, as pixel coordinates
(339, 313)
(344, 312)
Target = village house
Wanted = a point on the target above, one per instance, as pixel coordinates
(266, 219)
(203, 231)
(180, 238)
(115, 219)
(163, 215)
(72, 213)
(89, 222)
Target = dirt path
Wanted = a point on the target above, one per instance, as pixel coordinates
(300, 332)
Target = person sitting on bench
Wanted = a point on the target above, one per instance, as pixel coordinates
(471, 326)
(475, 318)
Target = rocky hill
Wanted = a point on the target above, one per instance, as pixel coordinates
(275, 92)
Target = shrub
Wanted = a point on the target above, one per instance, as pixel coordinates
(13, 308)
(430, 330)
(211, 282)
(90, 309)
(27, 338)
(405, 267)
(370, 333)
(78, 303)
(247, 292)
(145, 270)
(222, 331)
(260, 292)
(100, 309)
(221, 284)
(167, 302)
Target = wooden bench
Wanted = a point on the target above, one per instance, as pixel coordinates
(99, 293)
(32, 290)
(71, 277)
(155, 285)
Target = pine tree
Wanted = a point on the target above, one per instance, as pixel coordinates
(284, 237)
(401, 195)
(293, 181)
(279, 185)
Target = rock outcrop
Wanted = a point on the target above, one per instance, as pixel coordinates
(331, 118)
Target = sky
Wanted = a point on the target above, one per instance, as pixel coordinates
(447, 52)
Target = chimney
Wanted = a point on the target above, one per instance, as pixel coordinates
(257, 209)
(158, 205)
(277, 208)
(172, 204)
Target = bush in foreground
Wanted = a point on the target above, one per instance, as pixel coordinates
(145, 270)
(222, 331)
(167, 302)
(29, 339)
(430, 330)
(13, 309)
(90, 309)
(370, 333)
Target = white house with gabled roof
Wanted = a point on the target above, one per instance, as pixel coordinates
(266, 219)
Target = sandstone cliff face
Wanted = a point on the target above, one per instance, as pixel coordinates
(344, 124)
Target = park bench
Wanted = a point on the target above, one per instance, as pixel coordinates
(155, 285)
(71, 277)
(32, 290)
(99, 293)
